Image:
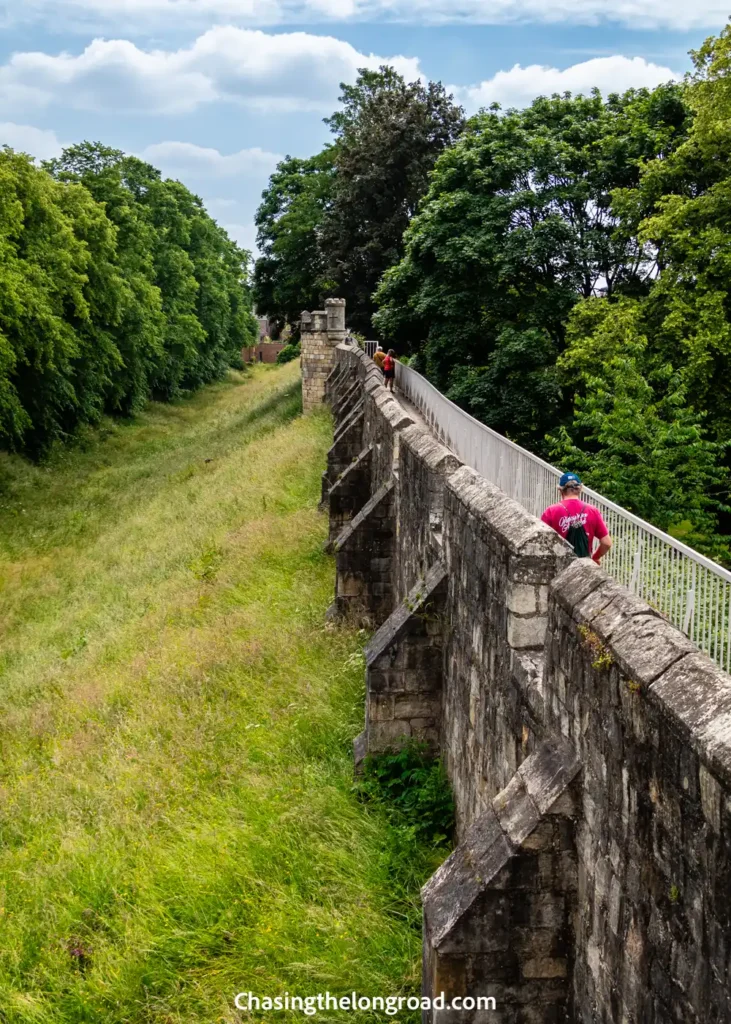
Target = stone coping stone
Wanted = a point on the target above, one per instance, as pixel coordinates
(645, 646)
(437, 457)
(688, 690)
(517, 529)
(391, 410)
(694, 696)
(578, 580)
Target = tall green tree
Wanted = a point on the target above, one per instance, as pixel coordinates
(633, 435)
(667, 413)
(140, 330)
(685, 201)
(189, 312)
(290, 274)
(60, 301)
(115, 285)
(389, 135)
(517, 226)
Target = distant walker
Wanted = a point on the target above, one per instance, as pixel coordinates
(389, 369)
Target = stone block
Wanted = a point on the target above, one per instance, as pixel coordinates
(548, 773)
(577, 580)
(521, 598)
(385, 735)
(645, 646)
(545, 967)
(526, 632)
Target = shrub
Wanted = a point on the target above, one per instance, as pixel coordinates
(288, 353)
(412, 787)
(409, 788)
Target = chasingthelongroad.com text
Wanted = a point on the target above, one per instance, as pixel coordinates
(390, 1005)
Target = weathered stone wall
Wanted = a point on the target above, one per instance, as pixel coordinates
(650, 719)
(501, 909)
(424, 465)
(264, 352)
(587, 741)
(500, 561)
(363, 459)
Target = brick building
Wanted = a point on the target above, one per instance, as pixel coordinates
(265, 352)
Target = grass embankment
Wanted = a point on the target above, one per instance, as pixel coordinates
(177, 821)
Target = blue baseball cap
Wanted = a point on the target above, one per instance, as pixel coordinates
(568, 479)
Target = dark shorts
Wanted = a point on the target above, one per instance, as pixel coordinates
(389, 374)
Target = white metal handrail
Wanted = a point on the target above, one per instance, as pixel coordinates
(692, 591)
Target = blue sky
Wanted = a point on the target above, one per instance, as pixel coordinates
(214, 92)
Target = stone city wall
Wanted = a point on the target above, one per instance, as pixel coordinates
(587, 741)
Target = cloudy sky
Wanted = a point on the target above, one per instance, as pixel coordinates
(214, 92)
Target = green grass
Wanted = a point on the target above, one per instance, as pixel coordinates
(177, 814)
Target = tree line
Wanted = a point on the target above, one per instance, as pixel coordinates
(561, 271)
(115, 286)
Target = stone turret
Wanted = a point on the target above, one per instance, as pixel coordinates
(321, 331)
(335, 311)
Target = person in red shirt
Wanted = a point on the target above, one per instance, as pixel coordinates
(578, 523)
(389, 369)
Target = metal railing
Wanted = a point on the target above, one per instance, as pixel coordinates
(692, 591)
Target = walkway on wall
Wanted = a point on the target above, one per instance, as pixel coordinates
(691, 590)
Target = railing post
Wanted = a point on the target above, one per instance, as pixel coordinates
(635, 577)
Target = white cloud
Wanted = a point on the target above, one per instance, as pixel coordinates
(520, 85)
(243, 234)
(670, 14)
(219, 207)
(37, 142)
(291, 71)
(673, 14)
(184, 159)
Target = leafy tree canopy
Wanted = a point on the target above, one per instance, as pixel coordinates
(516, 227)
(332, 224)
(389, 135)
(114, 285)
(290, 275)
(686, 200)
(633, 435)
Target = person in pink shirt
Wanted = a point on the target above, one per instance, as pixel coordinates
(578, 523)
